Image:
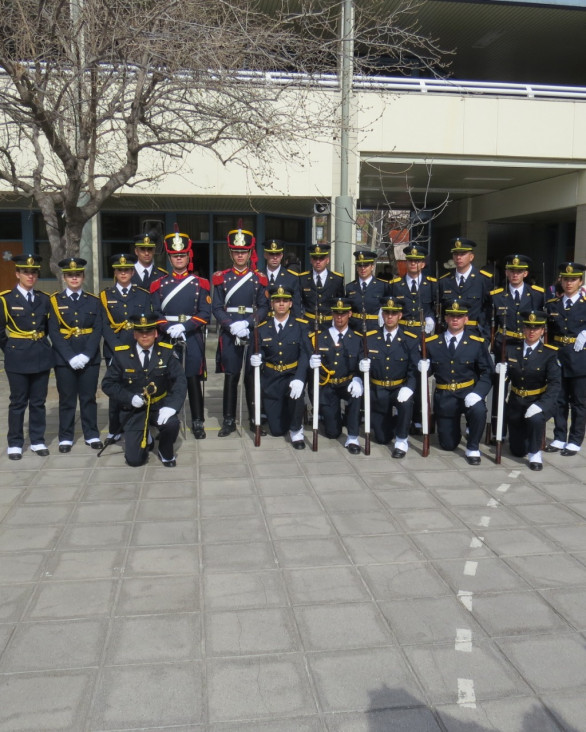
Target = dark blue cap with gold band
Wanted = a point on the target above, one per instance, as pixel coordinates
(517, 261)
(123, 261)
(459, 244)
(143, 322)
(144, 240)
(390, 305)
(27, 261)
(364, 256)
(415, 251)
(319, 250)
(571, 269)
(340, 305)
(534, 318)
(72, 265)
(273, 246)
(280, 292)
(457, 307)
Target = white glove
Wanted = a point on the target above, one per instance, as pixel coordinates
(164, 414)
(238, 326)
(243, 336)
(423, 365)
(315, 361)
(176, 330)
(429, 325)
(137, 401)
(256, 360)
(580, 341)
(296, 388)
(533, 409)
(75, 363)
(364, 365)
(355, 388)
(471, 399)
(501, 367)
(83, 360)
(404, 394)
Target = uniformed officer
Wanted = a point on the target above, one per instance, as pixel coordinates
(535, 378)
(145, 270)
(509, 303)
(149, 385)
(75, 327)
(28, 356)
(182, 304)
(416, 291)
(391, 357)
(469, 284)
(336, 355)
(319, 286)
(120, 303)
(365, 292)
(284, 349)
(239, 303)
(567, 325)
(278, 275)
(463, 369)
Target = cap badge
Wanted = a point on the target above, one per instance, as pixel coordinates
(274, 246)
(177, 244)
(30, 261)
(414, 250)
(569, 268)
(532, 318)
(455, 306)
(340, 304)
(317, 249)
(516, 261)
(360, 257)
(458, 244)
(280, 290)
(122, 259)
(146, 240)
(143, 320)
(239, 239)
(72, 264)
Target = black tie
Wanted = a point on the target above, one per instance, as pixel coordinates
(74, 296)
(146, 358)
(124, 291)
(452, 346)
(462, 280)
(388, 337)
(145, 278)
(318, 283)
(29, 297)
(272, 280)
(517, 299)
(569, 304)
(364, 287)
(340, 336)
(528, 352)
(413, 287)
(280, 328)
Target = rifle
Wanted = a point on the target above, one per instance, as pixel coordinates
(315, 415)
(366, 379)
(425, 403)
(257, 396)
(501, 393)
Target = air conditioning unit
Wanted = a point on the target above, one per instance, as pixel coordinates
(321, 209)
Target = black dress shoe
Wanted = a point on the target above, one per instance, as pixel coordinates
(96, 445)
(535, 466)
(41, 453)
(398, 454)
(353, 449)
(15, 456)
(472, 459)
(198, 430)
(228, 426)
(551, 448)
(568, 453)
(298, 444)
(170, 463)
(64, 448)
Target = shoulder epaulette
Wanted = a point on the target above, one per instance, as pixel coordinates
(476, 338)
(411, 335)
(447, 274)
(486, 274)
(121, 348)
(302, 320)
(431, 338)
(431, 279)
(91, 294)
(264, 322)
(536, 287)
(155, 285)
(303, 273)
(164, 271)
(5, 292)
(553, 348)
(217, 278)
(203, 283)
(553, 299)
(336, 273)
(136, 287)
(396, 279)
(162, 344)
(293, 272)
(496, 292)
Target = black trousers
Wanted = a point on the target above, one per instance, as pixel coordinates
(525, 434)
(448, 407)
(27, 390)
(72, 385)
(330, 408)
(571, 403)
(283, 413)
(133, 423)
(384, 425)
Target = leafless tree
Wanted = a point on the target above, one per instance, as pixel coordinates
(89, 87)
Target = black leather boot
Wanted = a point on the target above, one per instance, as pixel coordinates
(195, 396)
(229, 404)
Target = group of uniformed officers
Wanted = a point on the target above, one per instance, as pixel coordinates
(279, 327)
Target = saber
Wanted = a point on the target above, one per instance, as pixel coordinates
(257, 395)
(366, 382)
(425, 402)
(315, 414)
(501, 394)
